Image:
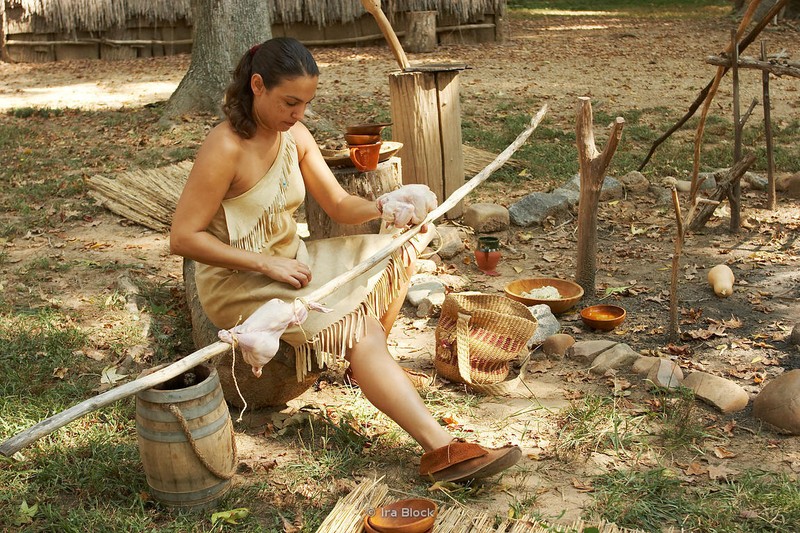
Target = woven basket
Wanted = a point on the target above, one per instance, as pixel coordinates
(479, 335)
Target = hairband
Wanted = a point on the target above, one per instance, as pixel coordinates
(254, 49)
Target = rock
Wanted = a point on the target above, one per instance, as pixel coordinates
(683, 185)
(535, 208)
(665, 374)
(722, 393)
(572, 197)
(790, 185)
(642, 365)
(431, 304)
(778, 403)
(794, 336)
(635, 183)
(587, 351)
(486, 218)
(557, 345)
(709, 182)
(611, 190)
(754, 181)
(419, 291)
(547, 324)
(618, 356)
(448, 241)
(425, 266)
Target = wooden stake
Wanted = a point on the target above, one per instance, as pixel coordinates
(772, 201)
(674, 332)
(48, 425)
(735, 192)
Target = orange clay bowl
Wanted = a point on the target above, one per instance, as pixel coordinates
(603, 317)
(570, 292)
(415, 515)
(367, 129)
(356, 139)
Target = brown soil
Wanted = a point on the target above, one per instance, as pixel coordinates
(622, 65)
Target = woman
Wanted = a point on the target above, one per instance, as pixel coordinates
(234, 218)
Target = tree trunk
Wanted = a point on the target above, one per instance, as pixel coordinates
(4, 57)
(222, 31)
(593, 165)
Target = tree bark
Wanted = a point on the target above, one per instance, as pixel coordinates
(593, 165)
(222, 31)
(4, 57)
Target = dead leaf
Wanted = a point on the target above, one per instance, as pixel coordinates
(723, 453)
(695, 469)
(582, 486)
(716, 473)
(110, 375)
(60, 372)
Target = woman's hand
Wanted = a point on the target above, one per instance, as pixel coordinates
(408, 204)
(286, 270)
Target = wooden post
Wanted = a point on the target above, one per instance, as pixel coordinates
(593, 165)
(371, 184)
(426, 118)
(772, 201)
(421, 32)
(735, 192)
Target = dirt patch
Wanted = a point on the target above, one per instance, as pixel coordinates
(622, 64)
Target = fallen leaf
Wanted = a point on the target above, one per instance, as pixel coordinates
(723, 453)
(582, 486)
(60, 372)
(720, 472)
(695, 469)
(230, 517)
(110, 375)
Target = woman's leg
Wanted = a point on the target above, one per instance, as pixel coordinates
(385, 384)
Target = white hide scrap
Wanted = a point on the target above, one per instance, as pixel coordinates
(408, 204)
(259, 336)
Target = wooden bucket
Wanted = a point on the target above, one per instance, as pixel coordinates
(186, 440)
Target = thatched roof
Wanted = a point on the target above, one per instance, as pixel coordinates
(96, 15)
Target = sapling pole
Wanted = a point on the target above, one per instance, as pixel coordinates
(48, 425)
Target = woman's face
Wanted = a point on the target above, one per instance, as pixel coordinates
(282, 106)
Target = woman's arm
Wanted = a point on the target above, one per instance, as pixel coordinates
(212, 174)
(342, 207)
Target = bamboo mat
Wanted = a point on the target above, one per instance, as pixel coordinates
(348, 514)
(148, 197)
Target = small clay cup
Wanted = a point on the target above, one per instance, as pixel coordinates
(365, 156)
(354, 139)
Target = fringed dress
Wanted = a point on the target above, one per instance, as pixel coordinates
(261, 220)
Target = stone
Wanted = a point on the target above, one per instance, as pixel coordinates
(557, 345)
(486, 217)
(709, 182)
(547, 324)
(642, 365)
(722, 393)
(448, 241)
(418, 291)
(431, 304)
(754, 181)
(635, 183)
(535, 208)
(618, 356)
(665, 374)
(789, 185)
(573, 197)
(612, 189)
(425, 266)
(587, 351)
(794, 336)
(778, 403)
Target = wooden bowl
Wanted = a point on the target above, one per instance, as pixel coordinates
(367, 129)
(356, 139)
(570, 292)
(603, 317)
(414, 515)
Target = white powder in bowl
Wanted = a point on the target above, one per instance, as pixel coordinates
(547, 292)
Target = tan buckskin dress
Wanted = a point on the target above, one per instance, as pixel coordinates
(261, 220)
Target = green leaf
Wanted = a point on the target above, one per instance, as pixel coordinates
(230, 517)
(25, 514)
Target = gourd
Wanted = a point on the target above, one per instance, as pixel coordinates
(721, 277)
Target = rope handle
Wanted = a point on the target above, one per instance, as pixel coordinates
(176, 411)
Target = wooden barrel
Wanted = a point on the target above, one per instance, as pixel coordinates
(186, 440)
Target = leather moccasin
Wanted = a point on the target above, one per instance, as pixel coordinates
(464, 461)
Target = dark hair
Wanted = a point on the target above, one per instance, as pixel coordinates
(275, 60)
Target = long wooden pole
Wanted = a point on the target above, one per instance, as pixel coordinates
(48, 425)
(772, 201)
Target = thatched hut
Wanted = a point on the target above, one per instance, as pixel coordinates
(50, 30)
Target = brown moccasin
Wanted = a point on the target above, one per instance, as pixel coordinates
(464, 461)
